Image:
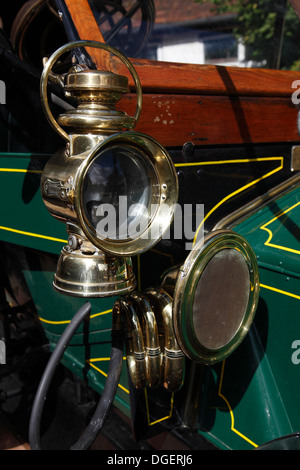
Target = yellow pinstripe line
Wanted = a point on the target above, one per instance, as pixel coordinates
(230, 410)
(68, 321)
(21, 232)
(161, 419)
(176, 165)
(222, 162)
(101, 313)
(243, 188)
(264, 227)
(30, 234)
(99, 359)
(54, 322)
(105, 375)
(223, 367)
(18, 170)
(289, 294)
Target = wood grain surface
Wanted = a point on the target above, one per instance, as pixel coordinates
(205, 104)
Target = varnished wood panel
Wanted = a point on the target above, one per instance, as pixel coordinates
(205, 104)
(212, 80)
(213, 120)
(162, 77)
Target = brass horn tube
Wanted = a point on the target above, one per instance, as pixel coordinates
(135, 352)
(153, 356)
(173, 357)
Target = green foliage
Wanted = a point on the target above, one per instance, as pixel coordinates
(258, 26)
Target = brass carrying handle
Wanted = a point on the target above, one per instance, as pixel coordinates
(67, 47)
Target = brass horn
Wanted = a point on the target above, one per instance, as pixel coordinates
(153, 355)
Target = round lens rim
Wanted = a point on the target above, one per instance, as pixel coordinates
(99, 155)
(166, 192)
(186, 284)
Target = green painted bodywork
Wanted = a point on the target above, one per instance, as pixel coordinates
(250, 398)
(26, 222)
(255, 392)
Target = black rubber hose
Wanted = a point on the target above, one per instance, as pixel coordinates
(107, 397)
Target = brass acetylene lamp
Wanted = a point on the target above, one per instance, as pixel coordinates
(116, 190)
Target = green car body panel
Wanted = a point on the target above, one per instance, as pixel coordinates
(246, 400)
(26, 222)
(255, 390)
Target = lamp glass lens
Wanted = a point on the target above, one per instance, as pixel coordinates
(117, 197)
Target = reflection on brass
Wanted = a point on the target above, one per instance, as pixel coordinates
(92, 264)
(135, 350)
(163, 190)
(85, 271)
(63, 178)
(96, 94)
(90, 88)
(215, 297)
(173, 357)
(168, 279)
(95, 127)
(93, 275)
(149, 330)
(202, 310)
(151, 344)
